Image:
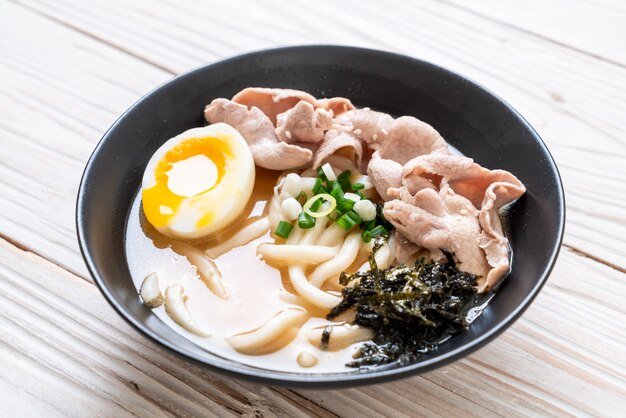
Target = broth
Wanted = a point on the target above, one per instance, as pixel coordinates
(252, 285)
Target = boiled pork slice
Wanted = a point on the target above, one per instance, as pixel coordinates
(463, 175)
(442, 221)
(398, 139)
(404, 249)
(337, 105)
(274, 101)
(270, 101)
(339, 142)
(303, 123)
(488, 190)
(408, 138)
(384, 174)
(259, 133)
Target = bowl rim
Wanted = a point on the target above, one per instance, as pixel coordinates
(329, 379)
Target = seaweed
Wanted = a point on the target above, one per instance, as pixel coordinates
(326, 337)
(411, 309)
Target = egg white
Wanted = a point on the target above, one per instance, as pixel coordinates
(212, 209)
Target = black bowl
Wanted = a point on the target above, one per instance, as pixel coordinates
(472, 119)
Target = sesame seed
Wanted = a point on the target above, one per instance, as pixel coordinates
(357, 132)
(463, 212)
(385, 132)
(374, 137)
(366, 108)
(276, 99)
(288, 134)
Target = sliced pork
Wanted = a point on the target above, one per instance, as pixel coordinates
(303, 123)
(368, 125)
(384, 174)
(485, 189)
(399, 139)
(339, 142)
(337, 105)
(442, 221)
(270, 101)
(408, 138)
(463, 175)
(274, 101)
(259, 133)
(404, 249)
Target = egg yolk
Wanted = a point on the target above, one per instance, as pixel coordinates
(175, 182)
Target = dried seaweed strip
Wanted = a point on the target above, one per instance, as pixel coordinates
(410, 309)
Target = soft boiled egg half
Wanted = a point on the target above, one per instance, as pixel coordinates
(198, 182)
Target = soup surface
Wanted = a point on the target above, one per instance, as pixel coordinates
(253, 286)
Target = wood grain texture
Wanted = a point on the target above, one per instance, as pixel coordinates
(67, 352)
(593, 27)
(568, 96)
(60, 91)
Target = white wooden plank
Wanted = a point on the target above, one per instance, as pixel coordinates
(595, 27)
(575, 101)
(64, 347)
(60, 92)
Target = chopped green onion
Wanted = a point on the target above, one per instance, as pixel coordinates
(329, 172)
(325, 210)
(361, 195)
(368, 225)
(354, 216)
(344, 180)
(358, 186)
(366, 209)
(334, 215)
(315, 206)
(346, 222)
(302, 198)
(317, 186)
(333, 185)
(320, 174)
(345, 205)
(366, 236)
(306, 221)
(283, 229)
(379, 230)
(337, 193)
(352, 196)
(344, 175)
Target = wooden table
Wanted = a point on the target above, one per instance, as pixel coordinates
(68, 68)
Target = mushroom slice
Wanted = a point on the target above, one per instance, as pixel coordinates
(150, 292)
(207, 270)
(339, 336)
(176, 308)
(271, 336)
